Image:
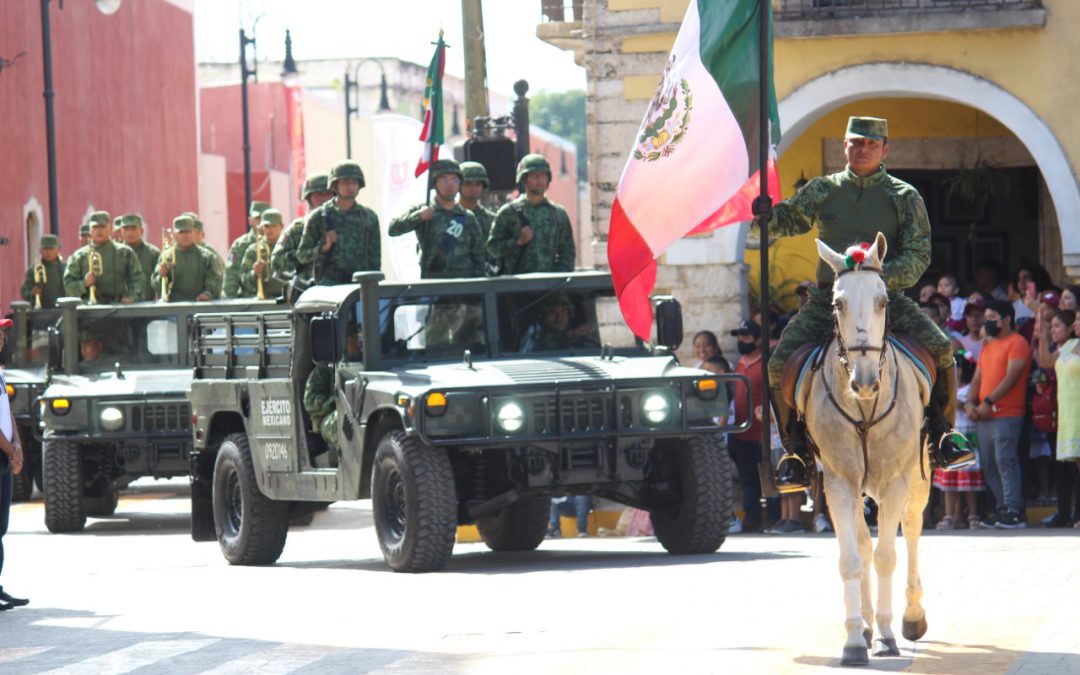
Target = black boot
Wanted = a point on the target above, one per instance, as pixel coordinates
(950, 449)
(11, 601)
(792, 472)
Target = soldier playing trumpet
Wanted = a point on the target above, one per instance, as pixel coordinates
(256, 279)
(167, 260)
(44, 281)
(189, 271)
(118, 278)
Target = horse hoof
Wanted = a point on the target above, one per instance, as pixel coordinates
(885, 647)
(868, 636)
(854, 656)
(913, 630)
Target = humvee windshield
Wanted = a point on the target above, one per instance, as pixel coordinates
(432, 327)
(134, 341)
(37, 342)
(571, 321)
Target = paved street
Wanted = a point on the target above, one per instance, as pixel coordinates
(134, 593)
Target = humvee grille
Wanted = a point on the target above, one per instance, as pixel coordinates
(536, 372)
(167, 417)
(578, 413)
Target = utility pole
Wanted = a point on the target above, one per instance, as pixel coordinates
(472, 26)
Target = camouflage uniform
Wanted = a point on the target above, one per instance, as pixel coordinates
(53, 287)
(357, 249)
(450, 243)
(475, 171)
(193, 273)
(283, 262)
(219, 262)
(552, 247)
(122, 274)
(147, 253)
(485, 218)
(249, 283)
(320, 403)
(231, 286)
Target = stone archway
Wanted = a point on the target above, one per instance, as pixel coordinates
(812, 100)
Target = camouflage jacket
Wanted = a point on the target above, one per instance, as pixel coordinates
(283, 262)
(319, 393)
(551, 248)
(485, 217)
(358, 247)
(193, 275)
(219, 262)
(848, 209)
(148, 255)
(231, 284)
(249, 282)
(451, 244)
(122, 274)
(53, 287)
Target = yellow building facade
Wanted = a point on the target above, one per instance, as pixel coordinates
(979, 95)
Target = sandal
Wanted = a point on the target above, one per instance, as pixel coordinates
(974, 522)
(1076, 525)
(946, 523)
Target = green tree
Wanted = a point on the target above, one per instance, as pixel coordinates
(563, 114)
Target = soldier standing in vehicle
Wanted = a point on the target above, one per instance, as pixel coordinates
(253, 267)
(283, 262)
(474, 182)
(121, 279)
(231, 287)
(193, 276)
(131, 229)
(341, 237)
(850, 206)
(449, 237)
(532, 233)
(84, 234)
(53, 266)
(200, 241)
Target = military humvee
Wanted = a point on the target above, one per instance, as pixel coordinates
(115, 408)
(457, 401)
(25, 354)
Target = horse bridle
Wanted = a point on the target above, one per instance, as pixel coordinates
(841, 348)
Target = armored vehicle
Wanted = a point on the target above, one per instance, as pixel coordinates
(457, 401)
(24, 360)
(115, 408)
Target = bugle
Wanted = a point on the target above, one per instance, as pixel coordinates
(40, 279)
(262, 255)
(97, 268)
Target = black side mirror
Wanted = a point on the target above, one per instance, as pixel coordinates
(56, 348)
(669, 332)
(324, 340)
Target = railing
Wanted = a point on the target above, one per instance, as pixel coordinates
(560, 11)
(800, 10)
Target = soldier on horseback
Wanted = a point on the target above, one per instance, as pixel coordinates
(848, 207)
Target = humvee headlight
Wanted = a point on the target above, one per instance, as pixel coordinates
(112, 419)
(706, 389)
(656, 409)
(510, 417)
(60, 406)
(10, 392)
(436, 403)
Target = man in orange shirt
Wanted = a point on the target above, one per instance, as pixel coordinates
(996, 405)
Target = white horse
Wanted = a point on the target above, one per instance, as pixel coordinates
(864, 410)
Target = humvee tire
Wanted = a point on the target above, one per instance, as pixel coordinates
(251, 529)
(65, 510)
(413, 503)
(102, 505)
(702, 514)
(22, 484)
(521, 526)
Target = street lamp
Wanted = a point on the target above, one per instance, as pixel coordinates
(105, 7)
(353, 84)
(245, 73)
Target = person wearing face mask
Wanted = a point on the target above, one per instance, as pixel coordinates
(1057, 342)
(996, 404)
(745, 447)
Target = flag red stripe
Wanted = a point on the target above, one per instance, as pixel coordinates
(740, 207)
(633, 271)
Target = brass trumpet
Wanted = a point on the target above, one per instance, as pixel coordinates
(262, 255)
(40, 279)
(97, 268)
(168, 257)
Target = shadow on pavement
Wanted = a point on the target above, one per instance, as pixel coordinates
(947, 658)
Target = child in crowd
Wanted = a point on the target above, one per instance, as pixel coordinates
(968, 482)
(948, 288)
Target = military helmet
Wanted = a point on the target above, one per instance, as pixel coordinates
(441, 167)
(558, 300)
(345, 169)
(530, 163)
(474, 171)
(313, 184)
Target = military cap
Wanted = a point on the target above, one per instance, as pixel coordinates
(345, 169)
(84, 229)
(183, 224)
(117, 222)
(131, 220)
(474, 171)
(271, 217)
(258, 207)
(195, 219)
(874, 128)
(316, 183)
(442, 167)
(530, 163)
(98, 218)
(49, 241)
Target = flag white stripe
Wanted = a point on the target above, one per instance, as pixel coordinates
(131, 658)
(280, 660)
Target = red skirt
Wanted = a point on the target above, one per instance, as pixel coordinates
(959, 481)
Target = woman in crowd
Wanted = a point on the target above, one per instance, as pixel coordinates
(706, 346)
(970, 339)
(1059, 349)
(1070, 298)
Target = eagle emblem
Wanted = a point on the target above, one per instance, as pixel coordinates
(668, 118)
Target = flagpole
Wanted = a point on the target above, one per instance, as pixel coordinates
(763, 213)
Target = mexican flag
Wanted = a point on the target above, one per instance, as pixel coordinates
(694, 163)
(432, 132)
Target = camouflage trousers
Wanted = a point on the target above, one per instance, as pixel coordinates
(815, 320)
(327, 428)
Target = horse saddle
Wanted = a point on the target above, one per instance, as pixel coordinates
(808, 357)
